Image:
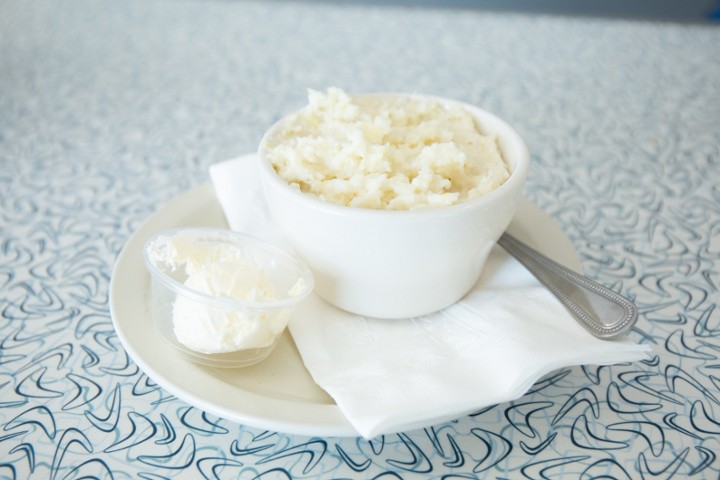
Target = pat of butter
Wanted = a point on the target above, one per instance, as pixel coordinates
(220, 271)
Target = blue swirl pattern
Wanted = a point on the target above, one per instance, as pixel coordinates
(109, 109)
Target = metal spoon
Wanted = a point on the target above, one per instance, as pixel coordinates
(600, 310)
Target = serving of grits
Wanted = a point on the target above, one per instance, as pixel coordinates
(392, 152)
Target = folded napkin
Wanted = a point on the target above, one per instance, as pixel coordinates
(396, 375)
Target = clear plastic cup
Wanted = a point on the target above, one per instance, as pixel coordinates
(214, 329)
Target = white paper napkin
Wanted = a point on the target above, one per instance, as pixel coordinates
(396, 375)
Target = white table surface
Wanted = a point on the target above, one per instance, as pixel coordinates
(108, 109)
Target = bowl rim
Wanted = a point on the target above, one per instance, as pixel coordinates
(247, 241)
(504, 130)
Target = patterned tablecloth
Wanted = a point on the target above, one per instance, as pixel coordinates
(109, 109)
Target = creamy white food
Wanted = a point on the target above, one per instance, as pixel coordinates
(224, 271)
(394, 153)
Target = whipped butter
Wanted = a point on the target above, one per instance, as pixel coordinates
(389, 152)
(221, 271)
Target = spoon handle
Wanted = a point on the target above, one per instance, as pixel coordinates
(600, 310)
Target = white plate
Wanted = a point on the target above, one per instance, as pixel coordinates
(277, 394)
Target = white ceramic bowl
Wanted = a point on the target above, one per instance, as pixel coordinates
(397, 264)
(217, 330)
